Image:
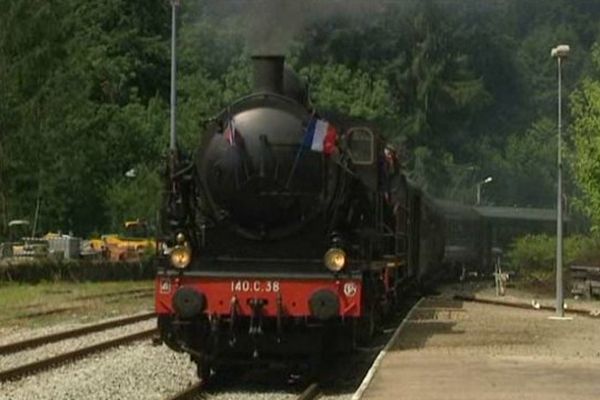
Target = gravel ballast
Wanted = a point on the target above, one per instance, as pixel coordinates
(138, 371)
(12, 334)
(251, 395)
(53, 349)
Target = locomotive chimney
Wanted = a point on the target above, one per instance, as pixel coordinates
(268, 73)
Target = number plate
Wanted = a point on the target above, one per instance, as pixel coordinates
(244, 286)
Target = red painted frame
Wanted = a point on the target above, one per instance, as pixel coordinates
(295, 294)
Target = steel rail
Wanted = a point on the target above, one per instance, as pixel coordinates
(188, 393)
(88, 297)
(56, 337)
(125, 293)
(48, 363)
(310, 393)
(51, 311)
(111, 298)
(526, 306)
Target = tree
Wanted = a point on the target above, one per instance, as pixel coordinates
(525, 172)
(585, 159)
(136, 197)
(353, 92)
(80, 78)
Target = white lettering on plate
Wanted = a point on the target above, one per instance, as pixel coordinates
(255, 286)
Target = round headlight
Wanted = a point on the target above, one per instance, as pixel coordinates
(181, 256)
(335, 259)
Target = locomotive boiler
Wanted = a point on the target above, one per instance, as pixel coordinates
(287, 230)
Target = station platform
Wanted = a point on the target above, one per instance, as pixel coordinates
(448, 349)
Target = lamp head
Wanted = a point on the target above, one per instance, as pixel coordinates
(560, 51)
(488, 179)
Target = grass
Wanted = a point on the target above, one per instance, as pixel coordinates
(27, 305)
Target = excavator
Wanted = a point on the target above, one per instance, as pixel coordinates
(129, 245)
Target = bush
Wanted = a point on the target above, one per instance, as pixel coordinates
(533, 257)
(80, 271)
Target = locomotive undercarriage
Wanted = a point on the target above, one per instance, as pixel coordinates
(221, 342)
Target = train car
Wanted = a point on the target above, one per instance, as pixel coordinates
(464, 239)
(288, 231)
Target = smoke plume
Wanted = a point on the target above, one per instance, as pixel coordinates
(271, 25)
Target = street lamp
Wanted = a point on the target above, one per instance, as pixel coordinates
(132, 173)
(479, 184)
(173, 133)
(560, 52)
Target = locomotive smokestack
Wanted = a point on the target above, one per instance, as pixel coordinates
(268, 73)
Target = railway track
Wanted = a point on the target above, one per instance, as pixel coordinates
(55, 337)
(110, 297)
(344, 375)
(311, 392)
(51, 362)
(338, 380)
(131, 292)
(526, 306)
(189, 393)
(119, 293)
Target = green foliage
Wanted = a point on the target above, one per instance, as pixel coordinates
(136, 197)
(468, 90)
(585, 158)
(353, 92)
(534, 256)
(45, 271)
(82, 80)
(528, 162)
(533, 252)
(432, 80)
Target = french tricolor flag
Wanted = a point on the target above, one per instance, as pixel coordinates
(320, 136)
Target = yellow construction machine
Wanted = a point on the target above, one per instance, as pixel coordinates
(130, 245)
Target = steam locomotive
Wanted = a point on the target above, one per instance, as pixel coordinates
(288, 231)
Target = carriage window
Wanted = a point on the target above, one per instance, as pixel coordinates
(361, 143)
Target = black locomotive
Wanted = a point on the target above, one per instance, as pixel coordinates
(289, 230)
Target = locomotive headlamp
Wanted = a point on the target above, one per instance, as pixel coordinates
(180, 238)
(181, 256)
(335, 259)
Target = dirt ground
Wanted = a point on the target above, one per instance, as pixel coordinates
(455, 350)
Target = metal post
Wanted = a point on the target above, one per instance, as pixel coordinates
(173, 136)
(559, 207)
(478, 187)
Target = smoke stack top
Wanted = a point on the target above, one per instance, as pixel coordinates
(268, 73)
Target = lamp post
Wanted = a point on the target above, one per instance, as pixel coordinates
(560, 52)
(479, 185)
(173, 132)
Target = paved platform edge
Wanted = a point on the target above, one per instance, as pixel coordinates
(371, 373)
